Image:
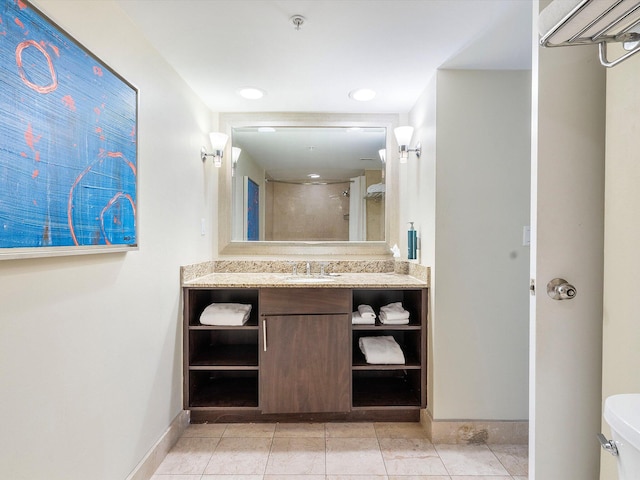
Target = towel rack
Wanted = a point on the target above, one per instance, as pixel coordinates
(589, 22)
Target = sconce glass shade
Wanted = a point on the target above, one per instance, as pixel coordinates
(383, 154)
(235, 154)
(218, 140)
(403, 135)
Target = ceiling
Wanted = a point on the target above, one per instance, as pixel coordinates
(391, 46)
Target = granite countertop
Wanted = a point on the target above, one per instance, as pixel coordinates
(284, 280)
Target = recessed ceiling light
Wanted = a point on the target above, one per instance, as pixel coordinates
(362, 94)
(354, 129)
(313, 175)
(266, 129)
(251, 93)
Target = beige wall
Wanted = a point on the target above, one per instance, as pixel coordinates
(474, 174)
(375, 208)
(307, 212)
(90, 346)
(621, 326)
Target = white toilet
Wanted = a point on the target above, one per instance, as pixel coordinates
(622, 413)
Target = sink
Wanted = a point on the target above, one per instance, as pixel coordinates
(302, 279)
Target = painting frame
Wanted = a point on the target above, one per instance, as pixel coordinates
(69, 151)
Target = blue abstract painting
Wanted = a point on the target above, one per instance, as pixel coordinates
(253, 210)
(68, 139)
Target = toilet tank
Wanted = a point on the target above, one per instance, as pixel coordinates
(622, 414)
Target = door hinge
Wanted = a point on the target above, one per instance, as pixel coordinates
(532, 286)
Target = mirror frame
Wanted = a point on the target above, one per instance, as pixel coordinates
(229, 247)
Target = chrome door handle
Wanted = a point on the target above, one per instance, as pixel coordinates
(264, 334)
(560, 289)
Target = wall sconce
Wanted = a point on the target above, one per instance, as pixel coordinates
(235, 154)
(403, 136)
(218, 142)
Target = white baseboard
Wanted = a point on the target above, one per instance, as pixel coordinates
(493, 432)
(152, 460)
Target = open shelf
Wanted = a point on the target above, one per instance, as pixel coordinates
(226, 356)
(386, 388)
(223, 389)
(359, 362)
(197, 299)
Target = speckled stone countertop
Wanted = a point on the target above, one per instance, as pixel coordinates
(339, 274)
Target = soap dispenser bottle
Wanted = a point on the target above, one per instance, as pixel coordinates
(412, 242)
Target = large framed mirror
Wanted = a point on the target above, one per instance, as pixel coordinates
(306, 183)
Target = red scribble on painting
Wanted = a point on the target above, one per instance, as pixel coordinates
(69, 102)
(22, 5)
(19, 23)
(55, 49)
(30, 138)
(35, 173)
(96, 110)
(98, 130)
(23, 154)
(38, 88)
(97, 71)
(115, 198)
(37, 156)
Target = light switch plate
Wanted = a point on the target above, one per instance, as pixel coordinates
(526, 236)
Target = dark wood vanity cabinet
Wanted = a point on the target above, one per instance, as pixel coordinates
(305, 357)
(297, 357)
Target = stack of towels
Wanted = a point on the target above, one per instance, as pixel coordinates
(227, 314)
(394, 314)
(381, 350)
(364, 316)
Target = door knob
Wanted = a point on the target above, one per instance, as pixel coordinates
(560, 289)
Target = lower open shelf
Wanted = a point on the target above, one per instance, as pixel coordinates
(388, 388)
(237, 389)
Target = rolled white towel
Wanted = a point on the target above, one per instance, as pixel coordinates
(366, 312)
(227, 314)
(394, 313)
(356, 319)
(383, 350)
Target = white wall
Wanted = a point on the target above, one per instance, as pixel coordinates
(480, 268)
(90, 346)
(621, 331)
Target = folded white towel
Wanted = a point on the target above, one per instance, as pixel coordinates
(393, 321)
(357, 319)
(381, 350)
(366, 312)
(376, 188)
(227, 314)
(394, 313)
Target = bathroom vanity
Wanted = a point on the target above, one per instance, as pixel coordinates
(297, 356)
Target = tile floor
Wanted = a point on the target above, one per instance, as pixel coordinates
(333, 451)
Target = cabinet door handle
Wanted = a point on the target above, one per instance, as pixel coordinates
(264, 334)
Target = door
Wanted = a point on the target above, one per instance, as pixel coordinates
(567, 214)
(305, 365)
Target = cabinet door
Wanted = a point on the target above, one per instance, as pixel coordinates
(305, 364)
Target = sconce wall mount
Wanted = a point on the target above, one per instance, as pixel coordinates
(218, 142)
(403, 137)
